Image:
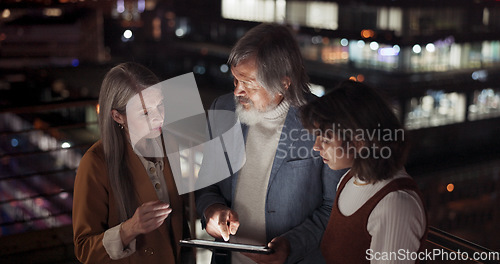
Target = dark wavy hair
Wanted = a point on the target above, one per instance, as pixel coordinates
(278, 57)
(357, 115)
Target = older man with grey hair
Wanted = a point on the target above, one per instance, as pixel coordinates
(283, 194)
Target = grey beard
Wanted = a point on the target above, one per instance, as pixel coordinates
(249, 117)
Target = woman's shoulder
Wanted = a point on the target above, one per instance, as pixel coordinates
(407, 198)
(407, 201)
(95, 151)
(94, 157)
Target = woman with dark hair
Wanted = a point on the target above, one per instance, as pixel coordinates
(126, 206)
(378, 214)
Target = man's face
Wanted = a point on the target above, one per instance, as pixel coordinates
(247, 90)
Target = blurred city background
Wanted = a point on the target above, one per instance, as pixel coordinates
(438, 62)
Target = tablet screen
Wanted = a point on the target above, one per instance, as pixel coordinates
(225, 245)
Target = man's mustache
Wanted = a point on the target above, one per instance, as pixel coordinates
(244, 100)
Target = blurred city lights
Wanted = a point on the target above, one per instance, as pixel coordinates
(63, 195)
(52, 12)
(127, 34)
(141, 5)
(120, 6)
(6, 13)
(480, 75)
(344, 42)
(417, 49)
(316, 39)
(430, 47)
(388, 51)
(367, 33)
(198, 69)
(361, 43)
(396, 48)
(317, 90)
(360, 78)
(65, 145)
(450, 187)
(179, 32)
(224, 68)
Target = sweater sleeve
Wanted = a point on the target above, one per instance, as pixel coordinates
(112, 242)
(396, 225)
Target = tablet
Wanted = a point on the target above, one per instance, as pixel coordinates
(225, 245)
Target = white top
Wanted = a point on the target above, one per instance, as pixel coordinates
(396, 223)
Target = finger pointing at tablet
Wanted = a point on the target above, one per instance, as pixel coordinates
(221, 221)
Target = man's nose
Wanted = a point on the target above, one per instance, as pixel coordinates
(239, 91)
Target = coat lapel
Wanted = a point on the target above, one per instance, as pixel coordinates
(285, 143)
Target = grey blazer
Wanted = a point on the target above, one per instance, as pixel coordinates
(300, 192)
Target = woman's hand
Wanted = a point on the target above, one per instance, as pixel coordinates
(147, 217)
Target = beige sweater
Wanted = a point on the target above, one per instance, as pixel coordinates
(251, 188)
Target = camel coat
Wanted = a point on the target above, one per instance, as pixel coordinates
(95, 210)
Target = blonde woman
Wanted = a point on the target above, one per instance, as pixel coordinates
(126, 208)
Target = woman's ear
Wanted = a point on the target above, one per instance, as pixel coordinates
(119, 118)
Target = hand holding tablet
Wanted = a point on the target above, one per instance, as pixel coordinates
(221, 221)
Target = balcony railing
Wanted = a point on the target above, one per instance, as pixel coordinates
(36, 186)
(447, 248)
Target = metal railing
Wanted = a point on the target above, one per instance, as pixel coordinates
(446, 248)
(55, 242)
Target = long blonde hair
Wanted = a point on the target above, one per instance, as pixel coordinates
(119, 85)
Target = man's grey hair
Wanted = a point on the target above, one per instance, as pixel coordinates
(278, 60)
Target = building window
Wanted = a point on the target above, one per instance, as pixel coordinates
(390, 19)
(436, 108)
(304, 13)
(252, 10)
(485, 104)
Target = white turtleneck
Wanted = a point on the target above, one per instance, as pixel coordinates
(253, 178)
